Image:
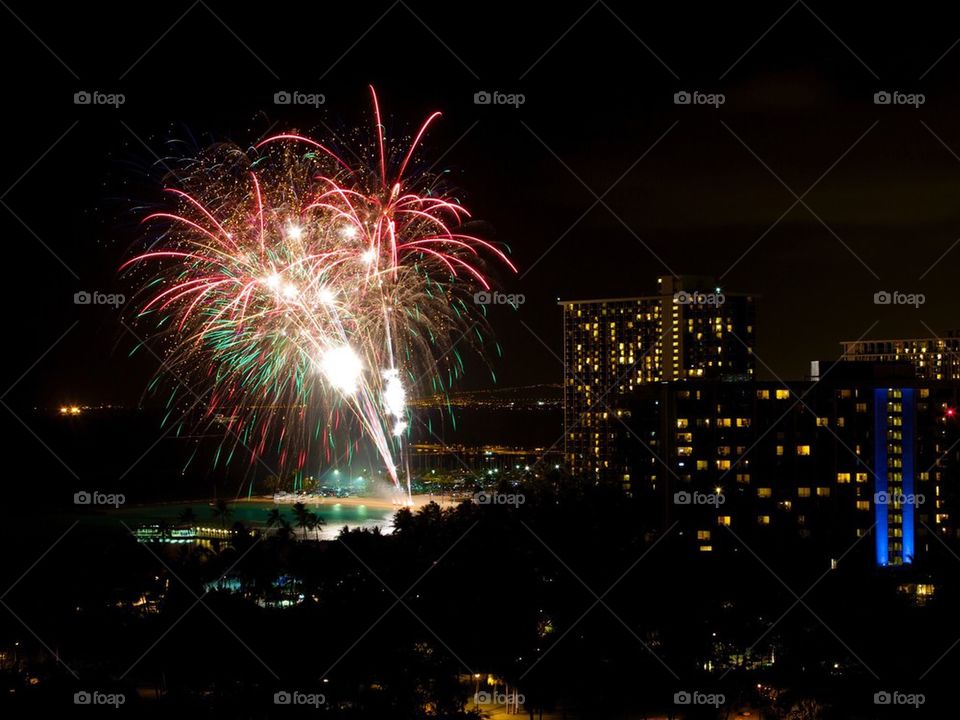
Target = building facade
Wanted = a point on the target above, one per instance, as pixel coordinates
(934, 358)
(688, 329)
(869, 452)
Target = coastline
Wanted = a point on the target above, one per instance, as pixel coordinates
(419, 501)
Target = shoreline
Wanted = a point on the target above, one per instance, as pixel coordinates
(419, 501)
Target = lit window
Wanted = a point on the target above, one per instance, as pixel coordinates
(843, 478)
(779, 449)
(702, 464)
(682, 423)
(706, 548)
(823, 492)
(783, 394)
(803, 450)
(863, 504)
(763, 394)
(763, 519)
(764, 492)
(803, 492)
(723, 520)
(723, 464)
(822, 422)
(703, 534)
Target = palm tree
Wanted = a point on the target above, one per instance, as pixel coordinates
(302, 516)
(316, 522)
(222, 511)
(274, 518)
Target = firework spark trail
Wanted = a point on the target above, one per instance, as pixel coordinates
(299, 286)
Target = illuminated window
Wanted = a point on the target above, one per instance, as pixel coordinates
(764, 492)
(803, 492)
(841, 422)
(763, 519)
(822, 422)
(823, 492)
(743, 422)
(723, 464)
(684, 451)
(703, 534)
(863, 504)
(706, 548)
(702, 464)
(783, 394)
(682, 423)
(843, 478)
(861, 407)
(743, 478)
(779, 449)
(723, 520)
(803, 450)
(763, 394)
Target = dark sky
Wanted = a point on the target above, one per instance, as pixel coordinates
(798, 80)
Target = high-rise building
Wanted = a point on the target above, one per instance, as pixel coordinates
(867, 451)
(688, 329)
(934, 358)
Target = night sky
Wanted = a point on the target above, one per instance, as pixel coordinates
(684, 189)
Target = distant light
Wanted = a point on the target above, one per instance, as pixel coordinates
(951, 412)
(368, 256)
(294, 232)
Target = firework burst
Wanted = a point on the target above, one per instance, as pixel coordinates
(308, 296)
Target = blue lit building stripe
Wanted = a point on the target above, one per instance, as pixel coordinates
(909, 508)
(881, 538)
